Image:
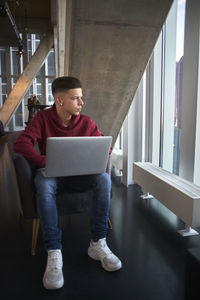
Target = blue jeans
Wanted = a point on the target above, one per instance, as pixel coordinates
(46, 190)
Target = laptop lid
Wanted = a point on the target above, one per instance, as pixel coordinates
(70, 156)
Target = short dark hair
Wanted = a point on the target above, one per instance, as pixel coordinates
(64, 83)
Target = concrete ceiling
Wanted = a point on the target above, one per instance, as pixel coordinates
(109, 47)
(33, 16)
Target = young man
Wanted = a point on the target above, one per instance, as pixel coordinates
(64, 119)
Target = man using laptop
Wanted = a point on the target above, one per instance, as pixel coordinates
(63, 119)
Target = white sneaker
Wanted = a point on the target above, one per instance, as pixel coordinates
(100, 251)
(53, 276)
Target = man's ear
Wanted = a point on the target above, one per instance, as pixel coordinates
(59, 101)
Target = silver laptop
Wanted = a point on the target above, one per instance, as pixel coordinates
(70, 156)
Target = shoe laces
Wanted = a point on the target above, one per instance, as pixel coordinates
(54, 261)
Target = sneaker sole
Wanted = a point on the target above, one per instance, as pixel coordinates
(49, 286)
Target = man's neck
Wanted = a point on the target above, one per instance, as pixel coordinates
(65, 118)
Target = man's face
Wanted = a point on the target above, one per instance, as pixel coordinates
(71, 101)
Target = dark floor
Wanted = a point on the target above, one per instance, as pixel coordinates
(144, 237)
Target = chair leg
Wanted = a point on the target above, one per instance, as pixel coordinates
(109, 224)
(20, 217)
(36, 224)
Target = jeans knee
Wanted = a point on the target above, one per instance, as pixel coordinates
(106, 177)
(104, 180)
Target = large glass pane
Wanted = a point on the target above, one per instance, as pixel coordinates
(4, 88)
(14, 80)
(30, 91)
(50, 64)
(29, 45)
(179, 80)
(39, 73)
(16, 69)
(37, 44)
(29, 54)
(3, 62)
(19, 116)
(3, 79)
(38, 79)
(4, 98)
(173, 42)
(39, 97)
(39, 89)
(32, 44)
(50, 98)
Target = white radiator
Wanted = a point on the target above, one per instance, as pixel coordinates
(177, 194)
(117, 159)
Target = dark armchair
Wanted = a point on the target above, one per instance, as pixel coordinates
(67, 203)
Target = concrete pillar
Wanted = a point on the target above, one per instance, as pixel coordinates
(111, 47)
(61, 15)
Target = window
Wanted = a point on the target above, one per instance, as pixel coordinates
(49, 76)
(3, 79)
(41, 86)
(172, 66)
(11, 67)
(162, 98)
(179, 83)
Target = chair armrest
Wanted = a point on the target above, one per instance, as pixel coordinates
(25, 175)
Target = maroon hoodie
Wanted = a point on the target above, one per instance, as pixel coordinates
(46, 124)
